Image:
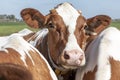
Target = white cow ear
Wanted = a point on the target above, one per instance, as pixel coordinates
(33, 18)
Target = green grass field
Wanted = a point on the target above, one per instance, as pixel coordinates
(6, 28)
(116, 24)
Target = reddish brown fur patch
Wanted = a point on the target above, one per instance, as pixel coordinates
(58, 35)
(29, 37)
(80, 32)
(97, 24)
(14, 72)
(90, 75)
(32, 17)
(10, 57)
(39, 70)
(115, 69)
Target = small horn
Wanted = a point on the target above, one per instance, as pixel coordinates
(79, 11)
(53, 11)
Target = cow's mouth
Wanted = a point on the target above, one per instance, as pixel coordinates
(63, 67)
(56, 66)
(64, 64)
(70, 67)
(70, 64)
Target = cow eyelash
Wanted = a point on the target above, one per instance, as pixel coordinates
(86, 27)
(50, 25)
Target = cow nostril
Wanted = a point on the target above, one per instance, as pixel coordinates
(81, 57)
(66, 56)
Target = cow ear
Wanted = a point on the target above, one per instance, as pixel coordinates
(33, 17)
(98, 23)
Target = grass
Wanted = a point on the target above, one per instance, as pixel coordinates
(7, 28)
(116, 24)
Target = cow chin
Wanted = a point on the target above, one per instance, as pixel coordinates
(74, 66)
(68, 65)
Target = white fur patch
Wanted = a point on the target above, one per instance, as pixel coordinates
(109, 47)
(112, 41)
(3, 41)
(38, 36)
(106, 45)
(69, 15)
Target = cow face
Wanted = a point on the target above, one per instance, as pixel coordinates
(66, 36)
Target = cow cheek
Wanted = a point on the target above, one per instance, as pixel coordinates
(54, 36)
(52, 43)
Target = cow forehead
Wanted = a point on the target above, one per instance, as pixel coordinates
(68, 14)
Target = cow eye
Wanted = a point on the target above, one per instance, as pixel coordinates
(50, 24)
(86, 27)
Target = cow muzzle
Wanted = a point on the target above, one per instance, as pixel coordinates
(72, 59)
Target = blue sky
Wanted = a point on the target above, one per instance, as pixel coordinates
(89, 8)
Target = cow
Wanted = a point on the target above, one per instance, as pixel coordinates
(102, 57)
(64, 44)
(19, 60)
(56, 46)
(36, 38)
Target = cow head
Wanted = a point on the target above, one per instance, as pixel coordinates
(66, 35)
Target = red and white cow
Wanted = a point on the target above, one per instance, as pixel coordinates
(64, 44)
(102, 57)
(18, 59)
(99, 22)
